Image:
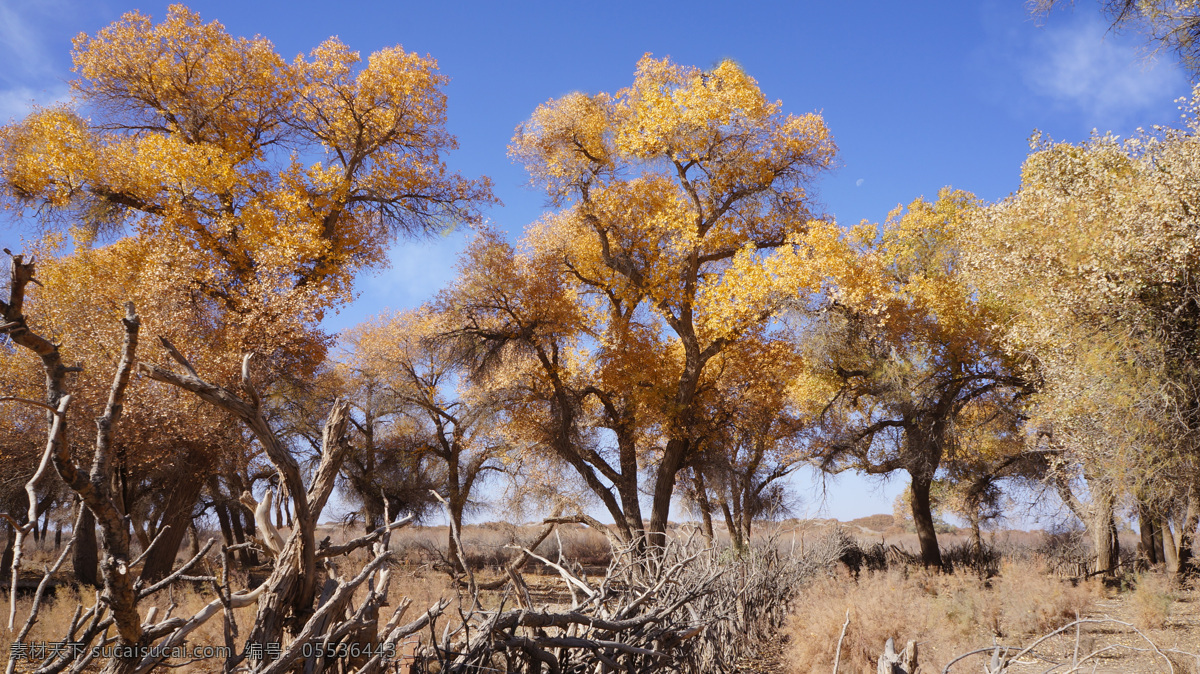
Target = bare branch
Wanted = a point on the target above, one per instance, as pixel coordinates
(178, 573)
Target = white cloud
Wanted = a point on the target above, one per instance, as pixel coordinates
(16, 102)
(1084, 67)
(34, 51)
(419, 269)
(22, 41)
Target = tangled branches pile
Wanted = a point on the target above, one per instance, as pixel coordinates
(685, 607)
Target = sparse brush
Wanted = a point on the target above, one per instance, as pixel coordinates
(1035, 602)
(1151, 600)
(947, 613)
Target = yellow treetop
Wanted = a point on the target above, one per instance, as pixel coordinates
(270, 184)
(681, 230)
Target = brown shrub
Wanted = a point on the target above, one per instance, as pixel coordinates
(1151, 601)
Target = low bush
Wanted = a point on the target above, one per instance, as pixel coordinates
(1151, 600)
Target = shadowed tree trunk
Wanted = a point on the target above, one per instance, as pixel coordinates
(1147, 524)
(1178, 538)
(10, 540)
(1159, 548)
(922, 511)
(223, 522)
(735, 532)
(84, 556)
(177, 514)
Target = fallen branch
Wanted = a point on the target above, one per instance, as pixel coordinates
(837, 653)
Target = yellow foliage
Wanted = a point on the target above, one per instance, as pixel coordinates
(195, 144)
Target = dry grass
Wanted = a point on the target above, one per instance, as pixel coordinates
(1151, 601)
(946, 613)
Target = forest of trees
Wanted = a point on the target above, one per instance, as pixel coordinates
(684, 325)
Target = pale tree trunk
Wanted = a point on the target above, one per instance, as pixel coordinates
(1170, 548)
(1097, 517)
(976, 536)
(1102, 527)
(1178, 540)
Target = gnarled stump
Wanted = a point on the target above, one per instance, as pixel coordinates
(892, 662)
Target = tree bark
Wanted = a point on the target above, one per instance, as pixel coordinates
(745, 499)
(85, 555)
(922, 511)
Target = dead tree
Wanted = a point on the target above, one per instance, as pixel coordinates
(144, 642)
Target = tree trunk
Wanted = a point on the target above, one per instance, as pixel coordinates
(1187, 532)
(237, 513)
(46, 519)
(704, 505)
(10, 540)
(664, 487)
(177, 514)
(372, 513)
(627, 486)
(976, 538)
(57, 535)
(1102, 531)
(1116, 541)
(1146, 528)
(1159, 548)
(194, 539)
(922, 511)
(747, 518)
(457, 557)
(246, 557)
(1170, 548)
(731, 525)
(85, 556)
(223, 522)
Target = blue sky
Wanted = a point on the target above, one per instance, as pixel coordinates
(917, 95)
